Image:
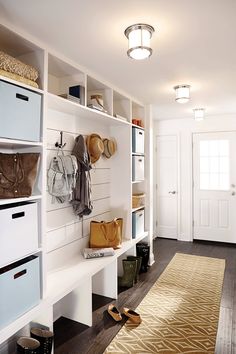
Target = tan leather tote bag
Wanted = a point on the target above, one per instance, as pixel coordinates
(106, 234)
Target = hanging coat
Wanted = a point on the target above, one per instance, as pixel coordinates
(81, 200)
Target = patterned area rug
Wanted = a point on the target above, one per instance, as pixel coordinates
(180, 313)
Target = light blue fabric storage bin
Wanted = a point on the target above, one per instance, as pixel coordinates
(19, 289)
(137, 223)
(138, 140)
(137, 168)
(20, 113)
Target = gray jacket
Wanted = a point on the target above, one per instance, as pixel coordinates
(81, 199)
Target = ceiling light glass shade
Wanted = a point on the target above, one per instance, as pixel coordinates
(182, 93)
(139, 36)
(199, 113)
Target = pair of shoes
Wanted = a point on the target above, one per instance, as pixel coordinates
(117, 316)
(131, 269)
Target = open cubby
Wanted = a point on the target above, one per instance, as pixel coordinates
(62, 75)
(121, 106)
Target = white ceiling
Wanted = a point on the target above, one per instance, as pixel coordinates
(194, 43)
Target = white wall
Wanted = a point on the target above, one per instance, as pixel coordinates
(184, 129)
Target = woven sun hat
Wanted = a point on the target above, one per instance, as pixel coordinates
(95, 147)
(110, 147)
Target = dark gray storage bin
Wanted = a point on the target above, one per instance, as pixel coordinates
(20, 112)
(19, 289)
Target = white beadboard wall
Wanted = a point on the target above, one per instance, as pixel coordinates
(67, 234)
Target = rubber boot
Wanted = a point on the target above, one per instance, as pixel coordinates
(26, 345)
(129, 267)
(143, 250)
(139, 263)
(45, 338)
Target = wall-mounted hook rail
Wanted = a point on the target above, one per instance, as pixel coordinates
(60, 145)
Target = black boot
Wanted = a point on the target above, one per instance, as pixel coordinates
(139, 263)
(129, 267)
(143, 250)
(45, 338)
(26, 345)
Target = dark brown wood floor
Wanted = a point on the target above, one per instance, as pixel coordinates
(75, 338)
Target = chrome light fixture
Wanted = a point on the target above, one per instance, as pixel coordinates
(182, 93)
(139, 36)
(199, 113)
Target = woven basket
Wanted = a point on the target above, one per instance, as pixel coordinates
(15, 66)
(138, 200)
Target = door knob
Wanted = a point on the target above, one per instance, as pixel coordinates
(172, 192)
(233, 193)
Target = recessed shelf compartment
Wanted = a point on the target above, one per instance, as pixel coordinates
(95, 87)
(62, 75)
(121, 106)
(24, 50)
(138, 112)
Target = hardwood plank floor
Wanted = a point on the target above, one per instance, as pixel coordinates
(74, 338)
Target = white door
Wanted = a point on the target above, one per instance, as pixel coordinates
(167, 182)
(214, 191)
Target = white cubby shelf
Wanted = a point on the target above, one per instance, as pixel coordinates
(68, 280)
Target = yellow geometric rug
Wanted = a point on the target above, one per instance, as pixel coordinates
(180, 313)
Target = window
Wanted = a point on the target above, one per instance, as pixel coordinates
(214, 164)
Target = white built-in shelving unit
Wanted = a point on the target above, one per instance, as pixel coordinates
(65, 274)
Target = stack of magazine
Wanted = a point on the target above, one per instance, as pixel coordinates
(98, 252)
(70, 97)
(98, 108)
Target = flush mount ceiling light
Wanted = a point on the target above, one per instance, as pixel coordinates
(182, 93)
(139, 36)
(199, 113)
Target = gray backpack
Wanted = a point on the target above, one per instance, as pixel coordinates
(61, 177)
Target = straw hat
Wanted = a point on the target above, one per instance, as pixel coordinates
(95, 147)
(110, 147)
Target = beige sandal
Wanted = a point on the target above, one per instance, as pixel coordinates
(133, 316)
(114, 313)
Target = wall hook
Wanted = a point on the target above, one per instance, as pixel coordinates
(60, 145)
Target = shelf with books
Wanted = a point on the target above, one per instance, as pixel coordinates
(99, 95)
(66, 80)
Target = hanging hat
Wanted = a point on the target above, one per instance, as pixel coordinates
(110, 147)
(95, 147)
